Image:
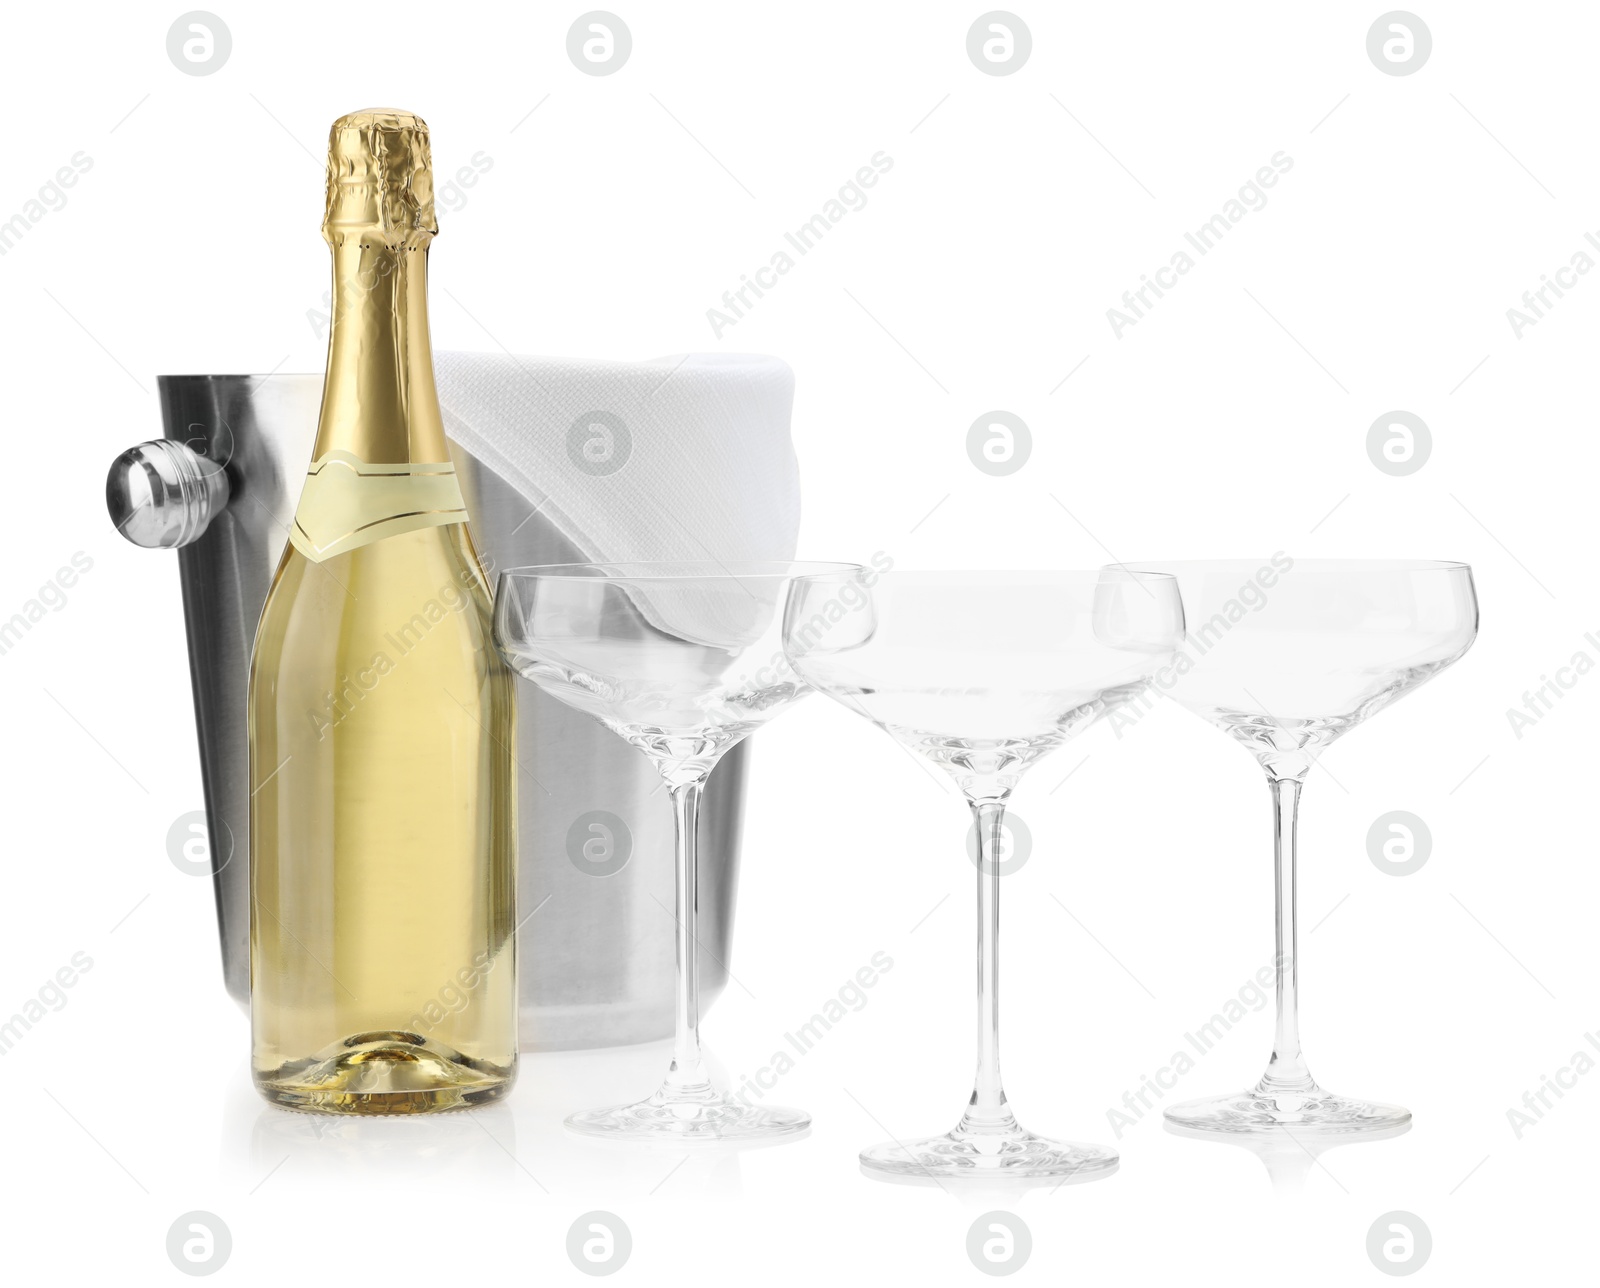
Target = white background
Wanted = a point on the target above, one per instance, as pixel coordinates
(1230, 421)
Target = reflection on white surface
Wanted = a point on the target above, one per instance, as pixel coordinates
(1287, 1156)
(982, 1192)
(261, 1141)
(557, 1083)
(518, 1143)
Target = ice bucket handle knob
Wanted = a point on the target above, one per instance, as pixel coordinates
(162, 494)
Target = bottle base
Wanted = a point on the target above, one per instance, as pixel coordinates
(385, 1074)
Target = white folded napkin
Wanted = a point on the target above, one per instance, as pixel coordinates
(685, 457)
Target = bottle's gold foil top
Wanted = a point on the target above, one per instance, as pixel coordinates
(380, 179)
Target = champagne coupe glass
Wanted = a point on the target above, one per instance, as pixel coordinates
(682, 660)
(984, 673)
(1286, 655)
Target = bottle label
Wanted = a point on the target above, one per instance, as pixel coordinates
(348, 503)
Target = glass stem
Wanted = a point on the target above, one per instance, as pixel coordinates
(1287, 1070)
(987, 1110)
(687, 1073)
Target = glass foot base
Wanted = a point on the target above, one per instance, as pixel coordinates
(1312, 1112)
(681, 1117)
(965, 1155)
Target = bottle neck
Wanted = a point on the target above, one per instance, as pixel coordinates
(378, 400)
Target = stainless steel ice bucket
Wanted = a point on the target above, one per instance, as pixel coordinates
(595, 886)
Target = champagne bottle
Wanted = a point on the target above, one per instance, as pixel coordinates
(382, 849)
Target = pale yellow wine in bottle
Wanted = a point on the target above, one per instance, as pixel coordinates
(382, 849)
